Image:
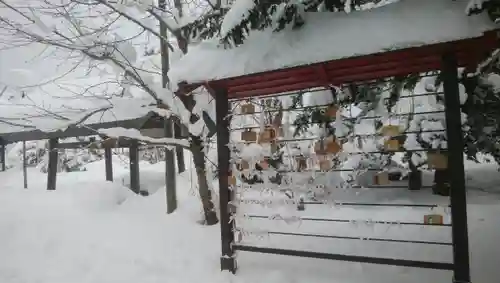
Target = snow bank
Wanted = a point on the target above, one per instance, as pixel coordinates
(327, 36)
(86, 196)
(104, 195)
(50, 239)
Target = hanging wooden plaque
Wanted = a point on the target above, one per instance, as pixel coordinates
(264, 164)
(437, 160)
(280, 131)
(433, 219)
(381, 179)
(243, 165)
(232, 180)
(249, 136)
(109, 142)
(392, 145)
(301, 163)
(325, 164)
(327, 146)
(390, 130)
(268, 135)
(333, 146)
(247, 108)
(331, 111)
(319, 147)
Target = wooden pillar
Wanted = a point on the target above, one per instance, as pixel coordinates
(458, 199)
(170, 182)
(170, 174)
(25, 169)
(52, 166)
(108, 159)
(226, 225)
(135, 185)
(181, 166)
(2, 156)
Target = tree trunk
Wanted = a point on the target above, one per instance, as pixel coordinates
(179, 151)
(203, 188)
(196, 142)
(181, 40)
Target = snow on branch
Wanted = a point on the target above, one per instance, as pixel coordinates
(474, 5)
(106, 36)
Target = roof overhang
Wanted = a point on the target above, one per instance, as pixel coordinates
(469, 53)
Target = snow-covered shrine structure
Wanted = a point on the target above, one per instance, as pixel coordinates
(403, 38)
(148, 123)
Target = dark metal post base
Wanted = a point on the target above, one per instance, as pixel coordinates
(228, 263)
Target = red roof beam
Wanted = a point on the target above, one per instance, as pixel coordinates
(478, 44)
(338, 76)
(417, 65)
(334, 70)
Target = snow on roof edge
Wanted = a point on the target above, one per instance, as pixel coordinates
(62, 130)
(408, 23)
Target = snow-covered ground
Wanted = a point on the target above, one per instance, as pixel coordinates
(93, 231)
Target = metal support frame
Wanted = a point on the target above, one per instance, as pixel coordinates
(227, 259)
(460, 264)
(52, 167)
(134, 167)
(458, 199)
(25, 167)
(108, 159)
(2, 156)
(170, 174)
(349, 258)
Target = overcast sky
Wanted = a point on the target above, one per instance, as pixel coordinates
(28, 65)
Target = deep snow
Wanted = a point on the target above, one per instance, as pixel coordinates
(93, 231)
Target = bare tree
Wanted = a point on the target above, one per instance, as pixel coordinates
(104, 33)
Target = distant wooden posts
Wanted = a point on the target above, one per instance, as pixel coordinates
(2, 157)
(134, 166)
(108, 159)
(170, 174)
(52, 166)
(25, 166)
(132, 145)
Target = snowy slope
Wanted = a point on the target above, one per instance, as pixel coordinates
(327, 36)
